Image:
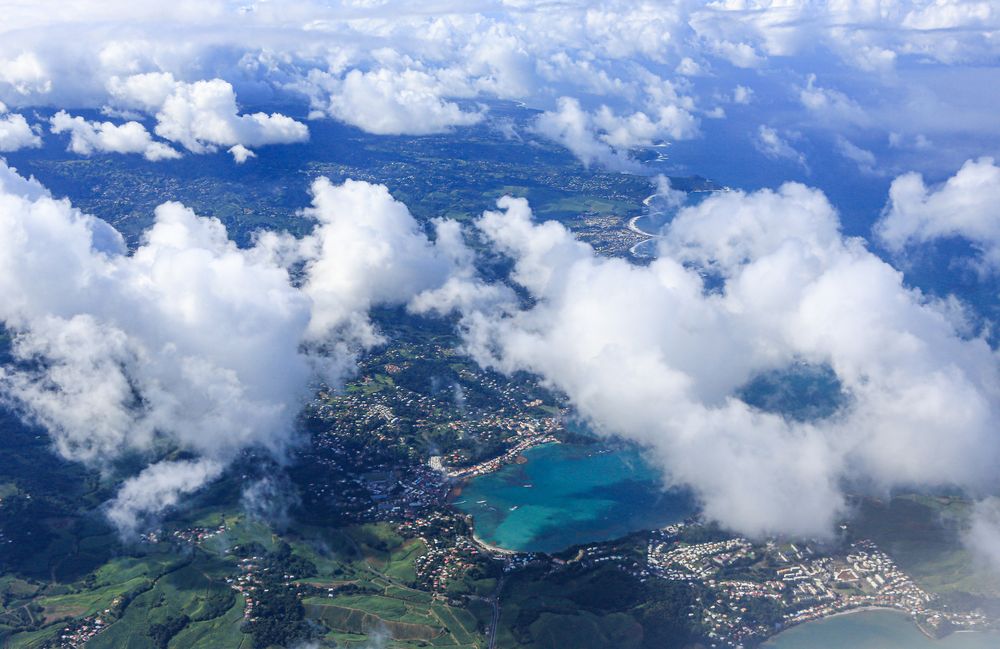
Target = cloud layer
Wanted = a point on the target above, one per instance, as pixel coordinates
(640, 72)
(654, 355)
(190, 343)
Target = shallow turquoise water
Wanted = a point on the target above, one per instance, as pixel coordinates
(874, 630)
(569, 494)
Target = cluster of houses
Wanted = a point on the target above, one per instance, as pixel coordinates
(248, 584)
(81, 632)
(866, 577)
(805, 587)
(449, 552)
(697, 561)
(529, 435)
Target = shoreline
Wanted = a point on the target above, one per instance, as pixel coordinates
(858, 609)
(844, 613)
(489, 547)
(515, 455)
(910, 617)
(635, 229)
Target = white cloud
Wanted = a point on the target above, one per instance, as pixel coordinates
(983, 533)
(772, 145)
(742, 95)
(147, 91)
(864, 158)
(605, 137)
(573, 128)
(831, 104)
(367, 249)
(688, 67)
(967, 205)
(156, 488)
(11, 183)
(742, 55)
(399, 68)
(87, 137)
(203, 115)
(241, 154)
(951, 15)
(15, 132)
(189, 342)
(25, 74)
(869, 36)
(389, 102)
(649, 354)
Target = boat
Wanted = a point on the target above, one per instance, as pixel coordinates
(514, 507)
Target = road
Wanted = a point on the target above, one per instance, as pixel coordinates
(492, 639)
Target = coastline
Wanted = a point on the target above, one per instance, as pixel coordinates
(514, 455)
(489, 547)
(857, 609)
(634, 228)
(461, 480)
(844, 613)
(869, 609)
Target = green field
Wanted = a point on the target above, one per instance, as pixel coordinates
(924, 535)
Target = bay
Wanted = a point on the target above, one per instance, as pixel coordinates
(874, 630)
(569, 494)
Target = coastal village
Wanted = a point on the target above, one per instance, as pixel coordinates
(756, 588)
(804, 584)
(369, 469)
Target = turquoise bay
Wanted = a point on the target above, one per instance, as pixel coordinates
(568, 494)
(874, 630)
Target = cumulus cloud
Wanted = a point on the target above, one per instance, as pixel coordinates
(25, 74)
(88, 137)
(387, 102)
(622, 75)
(573, 127)
(190, 343)
(966, 206)
(203, 115)
(649, 353)
(741, 55)
(400, 69)
(688, 67)
(605, 138)
(241, 154)
(366, 249)
(15, 132)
